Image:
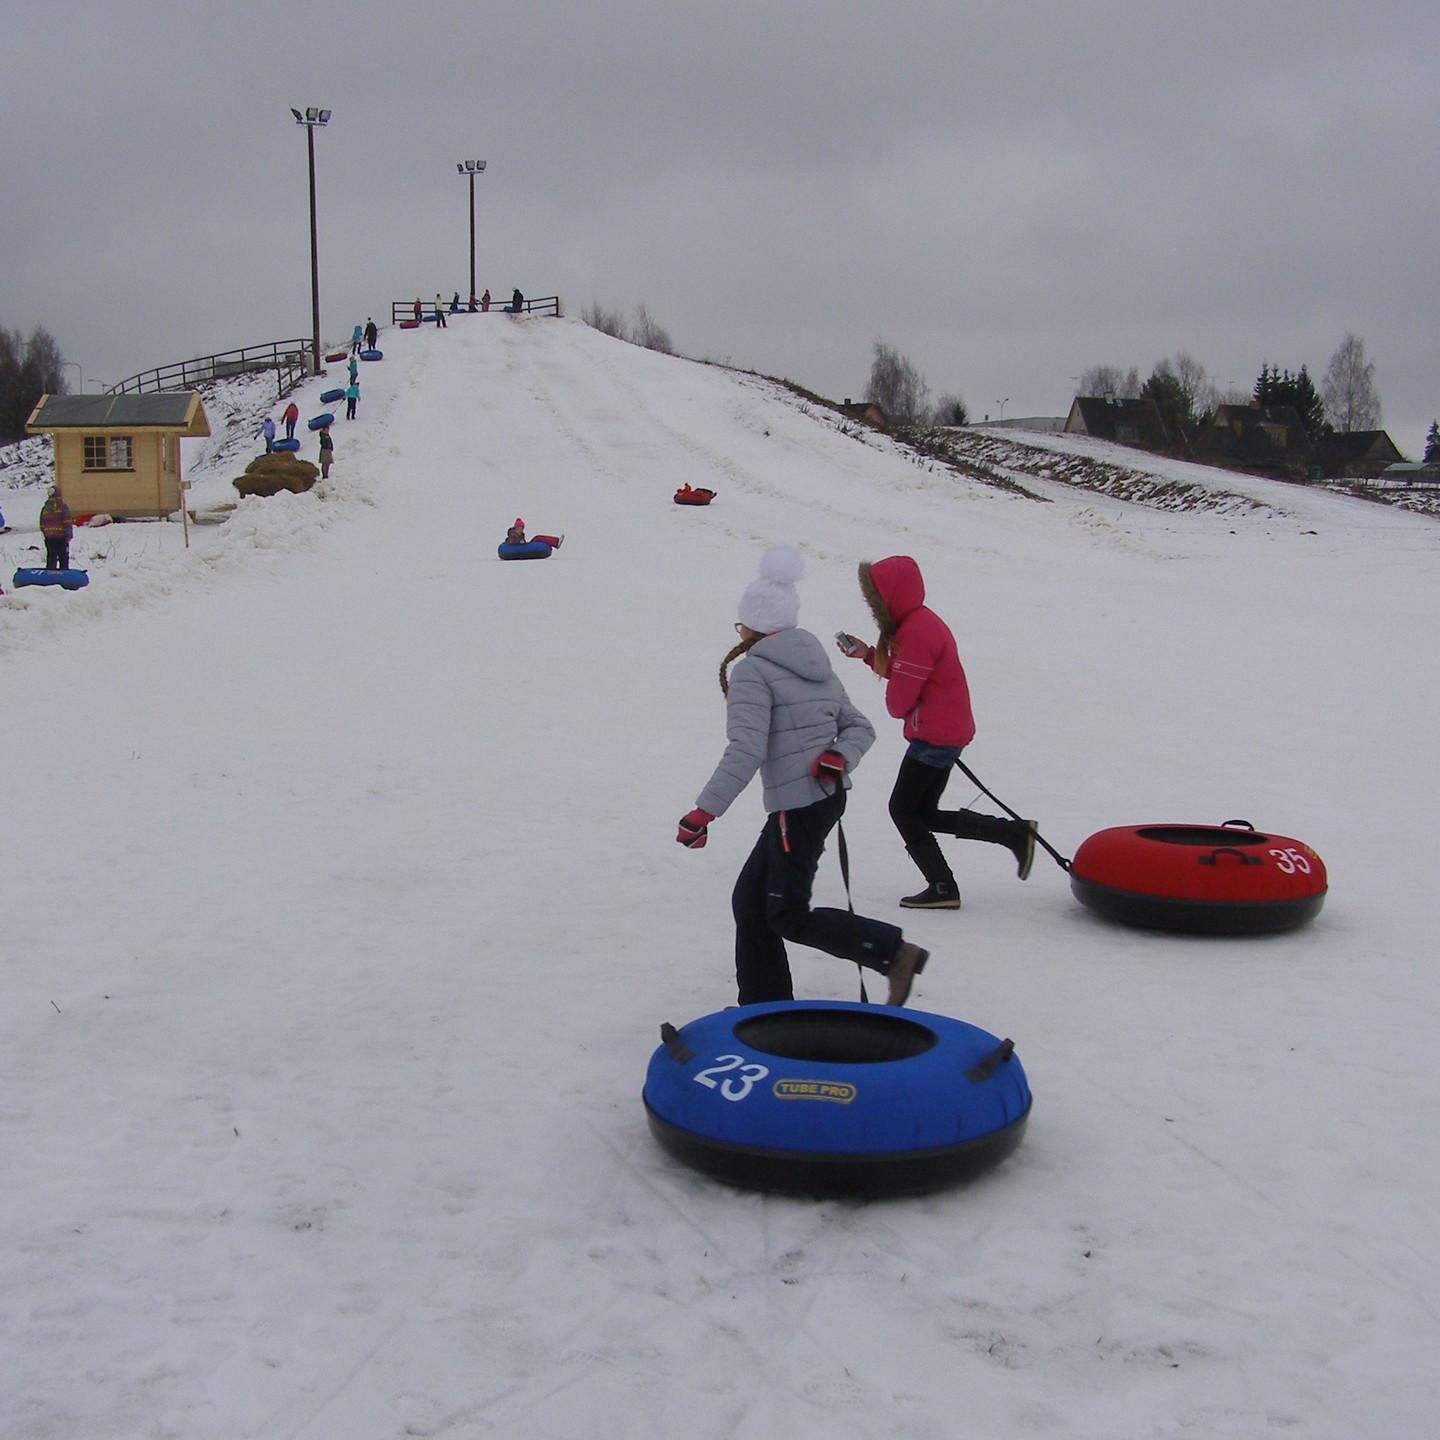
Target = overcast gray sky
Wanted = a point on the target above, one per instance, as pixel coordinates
(1006, 193)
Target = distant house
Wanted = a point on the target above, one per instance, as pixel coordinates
(119, 454)
(1357, 454)
(1261, 439)
(1412, 474)
(1127, 422)
(866, 411)
(1037, 424)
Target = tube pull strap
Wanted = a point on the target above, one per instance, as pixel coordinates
(670, 1038)
(1040, 840)
(844, 852)
(982, 1070)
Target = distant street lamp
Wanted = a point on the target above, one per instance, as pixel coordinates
(472, 168)
(66, 364)
(310, 119)
(1002, 404)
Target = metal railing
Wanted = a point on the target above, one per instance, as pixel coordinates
(401, 310)
(288, 358)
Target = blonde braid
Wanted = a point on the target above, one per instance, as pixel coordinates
(734, 654)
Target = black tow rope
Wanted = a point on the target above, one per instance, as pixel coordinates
(1040, 840)
(844, 853)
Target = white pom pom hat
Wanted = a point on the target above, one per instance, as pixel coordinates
(772, 603)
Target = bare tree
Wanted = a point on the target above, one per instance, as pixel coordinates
(1201, 397)
(29, 368)
(950, 410)
(649, 334)
(897, 386)
(608, 322)
(1110, 382)
(1349, 388)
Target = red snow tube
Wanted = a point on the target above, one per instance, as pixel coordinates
(337, 355)
(694, 497)
(409, 324)
(1225, 879)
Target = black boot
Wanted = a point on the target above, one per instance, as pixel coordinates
(938, 895)
(1022, 846)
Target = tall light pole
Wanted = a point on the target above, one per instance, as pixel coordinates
(1002, 404)
(310, 119)
(66, 364)
(472, 168)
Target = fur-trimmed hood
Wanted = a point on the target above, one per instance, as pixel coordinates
(893, 588)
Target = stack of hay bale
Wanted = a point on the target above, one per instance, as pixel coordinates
(268, 474)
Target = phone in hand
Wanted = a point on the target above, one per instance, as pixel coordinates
(847, 643)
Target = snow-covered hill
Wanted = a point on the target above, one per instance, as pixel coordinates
(342, 909)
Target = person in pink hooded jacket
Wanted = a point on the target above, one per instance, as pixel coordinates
(925, 686)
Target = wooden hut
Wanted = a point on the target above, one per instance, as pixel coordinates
(120, 454)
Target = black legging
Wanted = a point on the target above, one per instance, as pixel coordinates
(914, 807)
(771, 904)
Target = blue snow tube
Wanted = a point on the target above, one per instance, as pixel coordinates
(319, 422)
(287, 445)
(372, 354)
(67, 579)
(825, 1097)
(531, 550)
(329, 397)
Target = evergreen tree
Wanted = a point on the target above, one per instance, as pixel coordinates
(1306, 399)
(1171, 398)
(1261, 392)
(1432, 444)
(1280, 387)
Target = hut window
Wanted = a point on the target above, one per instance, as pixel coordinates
(109, 452)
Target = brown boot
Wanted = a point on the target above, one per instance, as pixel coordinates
(909, 961)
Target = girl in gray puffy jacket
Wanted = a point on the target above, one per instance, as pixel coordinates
(787, 715)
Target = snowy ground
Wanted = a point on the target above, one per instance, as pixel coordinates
(342, 909)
